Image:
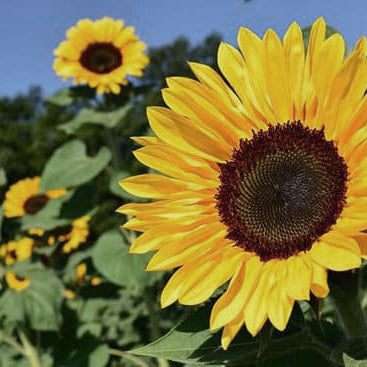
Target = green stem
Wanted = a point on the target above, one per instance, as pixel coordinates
(30, 351)
(12, 343)
(137, 361)
(154, 325)
(344, 291)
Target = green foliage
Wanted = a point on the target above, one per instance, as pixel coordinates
(112, 259)
(350, 362)
(39, 304)
(70, 166)
(90, 116)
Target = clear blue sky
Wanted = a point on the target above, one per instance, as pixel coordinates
(31, 29)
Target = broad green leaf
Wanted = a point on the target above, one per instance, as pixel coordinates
(39, 304)
(192, 342)
(112, 259)
(69, 166)
(90, 116)
(350, 362)
(3, 179)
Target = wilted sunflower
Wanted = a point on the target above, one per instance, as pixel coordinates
(14, 251)
(100, 53)
(266, 185)
(24, 197)
(17, 283)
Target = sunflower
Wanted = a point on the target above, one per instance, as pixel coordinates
(24, 197)
(14, 251)
(100, 53)
(17, 283)
(264, 177)
(69, 236)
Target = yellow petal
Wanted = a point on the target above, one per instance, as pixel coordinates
(234, 299)
(339, 254)
(231, 330)
(298, 279)
(319, 285)
(151, 186)
(276, 77)
(209, 275)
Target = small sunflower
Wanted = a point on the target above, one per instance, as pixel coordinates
(24, 197)
(264, 177)
(69, 236)
(100, 53)
(17, 283)
(14, 251)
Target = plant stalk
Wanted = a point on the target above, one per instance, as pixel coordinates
(344, 291)
(30, 351)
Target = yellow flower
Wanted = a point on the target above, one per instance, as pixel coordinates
(14, 251)
(69, 236)
(17, 283)
(75, 235)
(80, 273)
(69, 294)
(24, 197)
(266, 183)
(95, 281)
(100, 53)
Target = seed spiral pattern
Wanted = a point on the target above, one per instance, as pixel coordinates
(282, 190)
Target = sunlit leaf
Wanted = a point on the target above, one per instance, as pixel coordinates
(70, 166)
(90, 116)
(112, 259)
(39, 304)
(350, 362)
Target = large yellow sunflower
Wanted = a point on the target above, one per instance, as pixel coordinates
(264, 177)
(24, 197)
(100, 53)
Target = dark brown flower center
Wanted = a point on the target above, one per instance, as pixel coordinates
(282, 190)
(35, 203)
(101, 57)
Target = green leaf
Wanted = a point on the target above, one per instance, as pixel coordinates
(39, 304)
(63, 97)
(69, 166)
(350, 362)
(90, 116)
(192, 342)
(66, 97)
(112, 259)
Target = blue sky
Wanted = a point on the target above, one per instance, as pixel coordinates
(30, 30)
